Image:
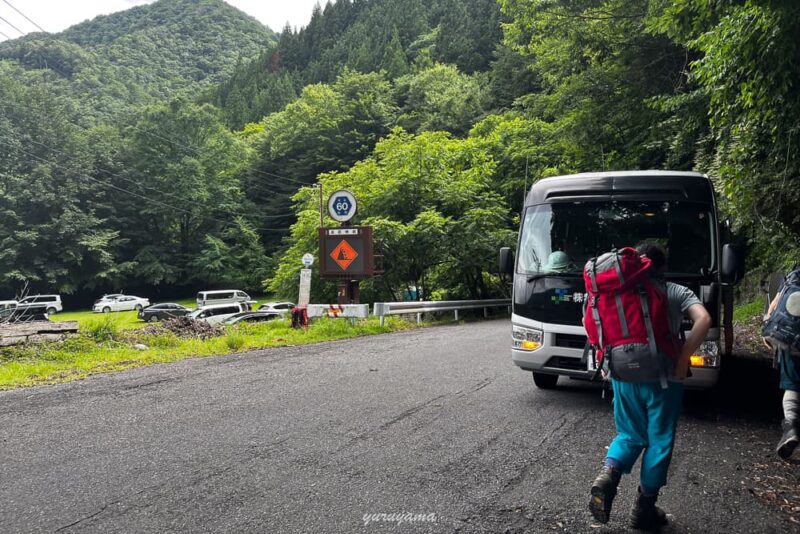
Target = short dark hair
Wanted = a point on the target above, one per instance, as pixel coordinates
(655, 252)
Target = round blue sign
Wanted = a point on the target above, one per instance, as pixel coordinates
(342, 205)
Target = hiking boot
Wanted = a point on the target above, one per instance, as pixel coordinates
(604, 489)
(645, 515)
(789, 439)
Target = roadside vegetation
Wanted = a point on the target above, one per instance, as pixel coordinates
(108, 343)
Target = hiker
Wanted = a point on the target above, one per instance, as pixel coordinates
(786, 321)
(647, 406)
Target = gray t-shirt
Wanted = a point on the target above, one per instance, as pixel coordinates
(680, 298)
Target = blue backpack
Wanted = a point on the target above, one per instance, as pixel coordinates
(782, 329)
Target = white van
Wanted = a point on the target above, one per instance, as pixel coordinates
(223, 296)
(51, 303)
(217, 313)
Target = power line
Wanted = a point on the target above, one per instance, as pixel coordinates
(23, 14)
(132, 193)
(193, 149)
(4, 35)
(153, 189)
(20, 31)
(277, 216)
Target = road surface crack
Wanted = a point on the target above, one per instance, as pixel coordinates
(86, 518)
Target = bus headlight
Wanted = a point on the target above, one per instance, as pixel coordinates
(707, 355)
(526, 338)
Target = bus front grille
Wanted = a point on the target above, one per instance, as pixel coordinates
(570, 341)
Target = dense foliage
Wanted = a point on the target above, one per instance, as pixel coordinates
(175, 145)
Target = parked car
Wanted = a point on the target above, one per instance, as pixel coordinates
(111, 303)
(280, 307)
(8, 304)
(160, 312)
(33, 312)
(223, 296)
(253, 317)
(52, 303)
(217, 313)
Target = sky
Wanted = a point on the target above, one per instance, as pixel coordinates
(57, 15)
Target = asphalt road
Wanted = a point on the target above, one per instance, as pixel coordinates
(435, 422)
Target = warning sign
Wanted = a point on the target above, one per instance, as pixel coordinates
(344, 254)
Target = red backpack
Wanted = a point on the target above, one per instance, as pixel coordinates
(626, 317)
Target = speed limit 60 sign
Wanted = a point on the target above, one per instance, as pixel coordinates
(342, 205)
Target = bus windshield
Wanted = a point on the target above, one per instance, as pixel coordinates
(559, 238)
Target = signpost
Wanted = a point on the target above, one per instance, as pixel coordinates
(305, 288)
(345, 253)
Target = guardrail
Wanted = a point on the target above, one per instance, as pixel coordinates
(338, 310)
(382, 309)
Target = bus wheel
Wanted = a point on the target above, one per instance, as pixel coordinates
(544, 381)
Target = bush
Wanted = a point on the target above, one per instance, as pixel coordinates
(103, 330)
(234, 339)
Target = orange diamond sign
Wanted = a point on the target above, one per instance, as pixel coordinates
(344, 254)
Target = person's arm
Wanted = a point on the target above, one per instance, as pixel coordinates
(773, 305)
(770, 309)
(702, 323)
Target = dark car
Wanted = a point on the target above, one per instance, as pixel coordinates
(160, 312)
(33, 312)
(253, 317)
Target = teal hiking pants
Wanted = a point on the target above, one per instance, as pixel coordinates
(646, 417)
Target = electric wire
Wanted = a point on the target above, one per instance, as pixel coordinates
(155, 190)
(257, 171)
(20, 31)
(23, 14)
(4, 35)
(132, 193)
(173, 141)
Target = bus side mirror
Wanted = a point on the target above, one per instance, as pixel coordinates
(506, 261)
(732, 264)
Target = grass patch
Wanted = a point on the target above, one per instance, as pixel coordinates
(747, 311)
(104, 346)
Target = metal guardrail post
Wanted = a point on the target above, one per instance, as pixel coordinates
(456, 312)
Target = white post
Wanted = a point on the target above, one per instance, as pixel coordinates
(382, 318)
(456, 314)
(486, 312)
(419, 318)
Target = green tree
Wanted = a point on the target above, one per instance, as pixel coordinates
(441, 98)
(328, 128)
(51, 235)
(436, 217)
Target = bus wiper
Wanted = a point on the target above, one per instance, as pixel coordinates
(568, 274)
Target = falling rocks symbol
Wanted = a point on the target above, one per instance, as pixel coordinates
(344, 254)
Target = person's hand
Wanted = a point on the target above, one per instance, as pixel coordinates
(766, 343)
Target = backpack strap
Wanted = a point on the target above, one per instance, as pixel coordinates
(618, 267)
(593, 274)
(621, 315)
(651, 338)
(596, 317)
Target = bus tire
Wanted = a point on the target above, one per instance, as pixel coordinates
(544, 381)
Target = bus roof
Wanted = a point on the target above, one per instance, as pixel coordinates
(620, 185)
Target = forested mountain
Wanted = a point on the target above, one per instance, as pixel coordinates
(128, 167)
(396, 37)
(147, 54)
